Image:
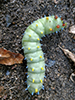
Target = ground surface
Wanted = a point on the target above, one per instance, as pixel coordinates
(21, 13)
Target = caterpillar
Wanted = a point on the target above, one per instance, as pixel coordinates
(33, 52)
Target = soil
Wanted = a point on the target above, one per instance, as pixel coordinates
(15, 17)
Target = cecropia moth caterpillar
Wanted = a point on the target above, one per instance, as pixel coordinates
(33, 52)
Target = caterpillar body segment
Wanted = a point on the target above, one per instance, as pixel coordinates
(33, 52)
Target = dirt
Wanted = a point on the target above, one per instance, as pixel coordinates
(15, 17)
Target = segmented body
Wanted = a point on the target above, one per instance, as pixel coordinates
(33, 51)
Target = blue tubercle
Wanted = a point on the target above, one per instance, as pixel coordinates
(44, 15)
(62, 28)
(40, 39)
(44, 53)
(28, 86)
(56, 31)
(37, 93)
(22, 47)
(44, 36)
(44, 76)
(41, 44)
(42, 87)
(33, 21)
(23, 34)
(24, 58)
(27, 76)
(25, 81)
(45, 64)
(26, 66)
(26, 89)
(32, 93)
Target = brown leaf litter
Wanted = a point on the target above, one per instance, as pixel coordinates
(69, 54)
(72, 77)
(9, 58)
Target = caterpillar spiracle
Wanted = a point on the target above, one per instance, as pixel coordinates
(33, 52)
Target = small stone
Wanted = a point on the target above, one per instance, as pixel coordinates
(72, 29)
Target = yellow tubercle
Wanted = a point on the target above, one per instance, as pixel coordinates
(38, 39)
(40, 56)
(40, 80)
(62, 21)
(47, 18)
(65, 24)
(33, 80)
(42, 68)
(50, 29)
(36, 24)
(29, 35)
(28, 48)
(32, 69)
(38, 47)
(41, 32)
(31, 59)
(36, 90)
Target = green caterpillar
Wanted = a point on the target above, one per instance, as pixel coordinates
(33, 52)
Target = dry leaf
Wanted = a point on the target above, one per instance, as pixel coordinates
(10, 58)
(69, 54)
(72, 77)
(72, 29)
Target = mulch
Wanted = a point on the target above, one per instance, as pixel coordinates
(15, 17)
